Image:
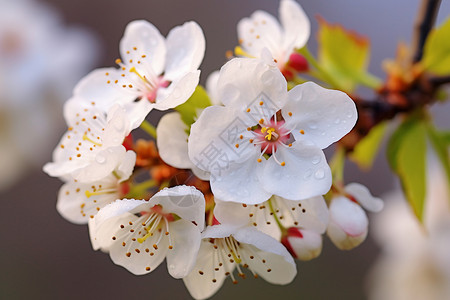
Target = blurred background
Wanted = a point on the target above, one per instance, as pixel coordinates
(46, 46)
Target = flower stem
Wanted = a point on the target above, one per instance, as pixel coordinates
(274, 214)
(337, 165)
(149, 128)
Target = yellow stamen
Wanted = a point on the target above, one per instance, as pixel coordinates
(133, 70)
(90, 194)
(240, 52)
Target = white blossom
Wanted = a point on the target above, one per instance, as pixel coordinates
(139, 234)
(267, 141)
(225, 248)
(158, 72)
(92, 145)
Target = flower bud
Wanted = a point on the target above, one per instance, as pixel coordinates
(348, 223)
(298, 62)
(302, 244)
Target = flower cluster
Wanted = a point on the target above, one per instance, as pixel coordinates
(227, 190)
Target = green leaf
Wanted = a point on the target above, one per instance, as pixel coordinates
(440, 145)
(407, 157)
(344, 55)
(198, 101)
(436, 57)
(366, 150)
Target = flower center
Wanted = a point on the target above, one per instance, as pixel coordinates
(269, 134)
(144, 85)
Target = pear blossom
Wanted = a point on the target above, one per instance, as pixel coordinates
(139, 234)
(78, 202)
(92, 146)
(172, 144)
(265, 140)
(348, 225)
(226, 247)
(159, 73)
(262, 30)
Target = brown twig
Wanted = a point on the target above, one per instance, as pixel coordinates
(425, 20)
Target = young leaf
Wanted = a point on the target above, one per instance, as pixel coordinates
(198, 101)
(406, 154)
(366, 150)
(344, 55)
(436, 57)
(440, 146)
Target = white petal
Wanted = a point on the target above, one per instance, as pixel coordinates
(136, 112)
(259, 31)
(211, 87)
(348, 223)
(104, 163)
(307, 247)
(311, 213)
(172, 141)
(185, 201)
(186, 243)
(231, 213)
(103, 229)
(93, 235)
(185, 50)
(94, 87)
(295, 24)
(323, 115)
(148, 41)
(305, 174)
(277, 259)
(134, 256)
(244, 82)
(341, 239)
(201, 286)
(363, 196)
(75, 206)
(125, 169)
(240, 183)
(219, 231)
(213, 147)
(177, 92)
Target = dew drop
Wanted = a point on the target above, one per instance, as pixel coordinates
(100, 159)
(337, 121)
(315, 160)
(320, 174)
(312, 126)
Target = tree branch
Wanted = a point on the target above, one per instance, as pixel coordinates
(425, 20)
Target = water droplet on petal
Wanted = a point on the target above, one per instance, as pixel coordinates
(312, 125)
(316, 159)
(337, 121)
(320, 174)
(100, 159)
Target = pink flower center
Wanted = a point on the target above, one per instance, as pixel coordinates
(271, 135)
